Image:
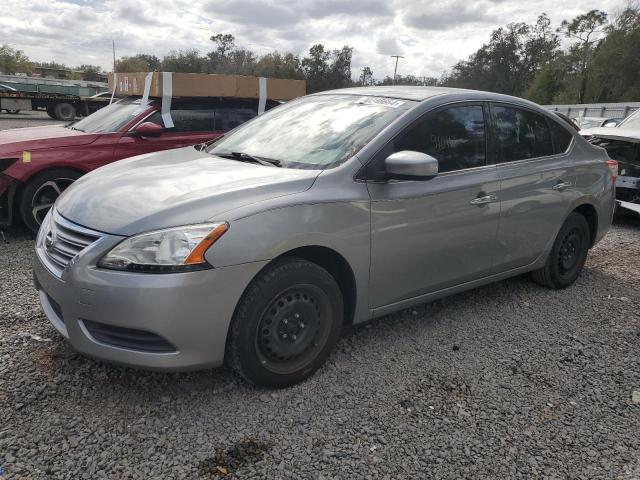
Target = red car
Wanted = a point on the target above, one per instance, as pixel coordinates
(38, 163)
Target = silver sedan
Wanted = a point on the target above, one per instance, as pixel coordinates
(326, 211)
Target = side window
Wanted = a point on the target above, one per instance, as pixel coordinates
(455, 136)
(155, 118)
(190, 117)
(193, 120)
(520, 134)
(561, 137)
(234, 117)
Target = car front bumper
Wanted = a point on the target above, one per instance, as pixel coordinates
(191, 312)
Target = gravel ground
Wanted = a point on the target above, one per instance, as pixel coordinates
(507, 381)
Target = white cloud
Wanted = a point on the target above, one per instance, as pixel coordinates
(431, 34)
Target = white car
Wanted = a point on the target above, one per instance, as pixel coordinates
(623, 144)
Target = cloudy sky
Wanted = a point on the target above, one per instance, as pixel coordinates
(431, 34)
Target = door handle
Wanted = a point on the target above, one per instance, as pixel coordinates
(484, 200)
(561, 186)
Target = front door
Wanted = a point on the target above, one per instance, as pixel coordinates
(195, 121)
(428, 235)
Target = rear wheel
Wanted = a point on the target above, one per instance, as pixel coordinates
(50, 112)
(286, 324)
(64, 111)
(568, 254)
(40, 193)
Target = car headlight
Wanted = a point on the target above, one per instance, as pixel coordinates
(179, 249)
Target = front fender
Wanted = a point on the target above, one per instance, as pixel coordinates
(340, 226)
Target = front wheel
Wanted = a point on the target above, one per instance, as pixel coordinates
(41, 192)
(567, 256)
(286, 324)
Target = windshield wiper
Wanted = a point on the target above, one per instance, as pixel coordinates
(245, 157)
(73, 128)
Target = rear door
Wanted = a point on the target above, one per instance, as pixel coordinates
(536, 182)
(427, 235)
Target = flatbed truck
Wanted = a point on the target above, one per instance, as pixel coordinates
(60, 106)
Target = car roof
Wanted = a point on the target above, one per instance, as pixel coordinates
(419, 94)
(416, 93)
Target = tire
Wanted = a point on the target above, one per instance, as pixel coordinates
(64, 111)
(13, 112)
(41, 191)
(50, 112)
(567, 256)
(286, 324)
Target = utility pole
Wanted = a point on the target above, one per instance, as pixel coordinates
(395, 70)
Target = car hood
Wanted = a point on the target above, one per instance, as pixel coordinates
(625, 134)
(171, 188)
(49, 136)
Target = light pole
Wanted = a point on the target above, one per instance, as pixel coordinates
(395, 70)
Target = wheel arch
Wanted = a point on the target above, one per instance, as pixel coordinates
(23, 182)
(32, 174)
(590, 214)
(337, 266)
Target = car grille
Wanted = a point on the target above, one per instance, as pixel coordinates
(63, 240)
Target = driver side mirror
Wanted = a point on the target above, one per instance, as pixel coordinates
(149, 129)
(408, 165)
(612, 122)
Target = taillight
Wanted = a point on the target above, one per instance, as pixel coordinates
(612, 165)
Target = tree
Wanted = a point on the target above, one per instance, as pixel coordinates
(277, 65)
(315, 68)
(613, 70)
(410, 80)
(325, 70)
(340, 68)
(366, 77)
(225, 44)
(13, 61)
(141, 62)
(585, 29)
(549, 85)
(510, 61)
(92, 73)
(184, 61)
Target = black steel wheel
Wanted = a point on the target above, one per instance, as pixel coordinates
(41, 192)
(568, 254)
(286, 324)
(293, 329)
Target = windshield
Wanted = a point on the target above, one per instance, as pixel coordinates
(633, 121)
(110, 118)
(314, 132)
